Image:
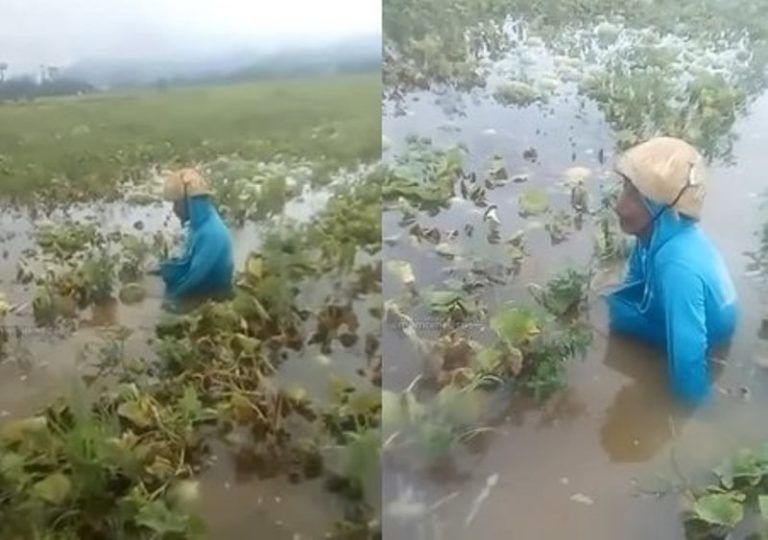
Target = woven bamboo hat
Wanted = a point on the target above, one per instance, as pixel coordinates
(176, 181)
(667, 171)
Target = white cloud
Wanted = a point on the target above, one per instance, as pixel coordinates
(34, 32)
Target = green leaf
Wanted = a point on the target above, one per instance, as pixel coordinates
(17, 430)
(532, 202)
(360, 462)
(743, 465)
(255, 266)
(488, 359)
(436, 441)
(720, 509)
(402, 270)
(498, 168)
(361, 403)
(53, 489)
(447, 249)
(190, 404)
(137, 412)
(444, 301)
(458, 407)
(157, 517)
(515, 326)
(12, 466)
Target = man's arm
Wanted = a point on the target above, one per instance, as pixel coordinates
(685, 316)
(203, 256)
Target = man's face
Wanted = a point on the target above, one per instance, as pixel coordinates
(634, 217)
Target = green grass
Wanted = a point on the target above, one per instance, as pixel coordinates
(91, 143)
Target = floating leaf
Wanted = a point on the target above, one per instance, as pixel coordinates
(491, 216)
(720, 509)
(403, 271)
(576, 175)
(743, 465)
(533, 202)
(447, 249)
(447, 301)
(53, 489)
(498, 168)
(559, 226)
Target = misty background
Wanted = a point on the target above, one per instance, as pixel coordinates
(74, 46)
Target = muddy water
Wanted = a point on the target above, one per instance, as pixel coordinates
(599, 460)
(42, 364)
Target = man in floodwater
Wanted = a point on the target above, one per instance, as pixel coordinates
(206, 267)
(678, 294)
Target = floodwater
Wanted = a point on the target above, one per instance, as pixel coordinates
(42, 364)
(601, 459)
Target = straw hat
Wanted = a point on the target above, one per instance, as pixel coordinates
(661, 167)
(196, 184)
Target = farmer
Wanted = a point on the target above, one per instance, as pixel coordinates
(678, 294)
(205, 269)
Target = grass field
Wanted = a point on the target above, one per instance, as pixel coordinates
(91, 143)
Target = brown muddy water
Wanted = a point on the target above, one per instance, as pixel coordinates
(601, 459)
(42, 365)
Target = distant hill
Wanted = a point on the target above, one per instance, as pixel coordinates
(352, 55)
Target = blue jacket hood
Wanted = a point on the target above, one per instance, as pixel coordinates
(667, 223)
(199, 209)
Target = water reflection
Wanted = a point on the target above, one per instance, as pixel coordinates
(637, 422)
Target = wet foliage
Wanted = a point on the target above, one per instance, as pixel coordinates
(78, 265)
(473, 354)
(683, 69)
(125, 463)
(423, 175)
(249, 190)
(123, 455)
(737, 497)
(440, 42)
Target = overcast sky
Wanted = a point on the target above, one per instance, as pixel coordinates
(58, 32)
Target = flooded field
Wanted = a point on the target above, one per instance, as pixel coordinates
(488, 194)
(223, 418)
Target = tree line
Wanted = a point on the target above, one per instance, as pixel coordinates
(49, 84)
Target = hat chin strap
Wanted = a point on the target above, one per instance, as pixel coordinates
(690, 182)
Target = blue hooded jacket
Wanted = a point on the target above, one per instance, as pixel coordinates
(207, 266)
(677, 295)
